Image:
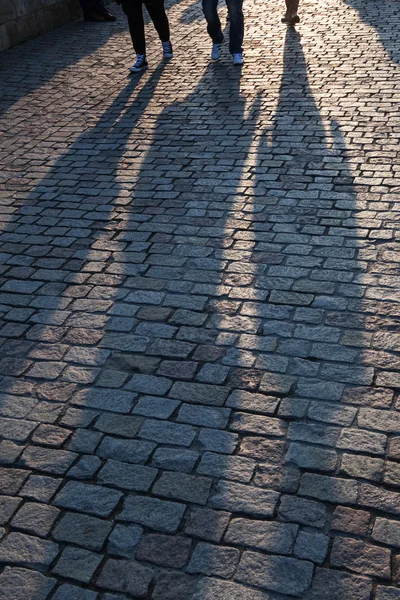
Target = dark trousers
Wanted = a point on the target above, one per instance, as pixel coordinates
(236, 30)
(89, 5)
(134, 11)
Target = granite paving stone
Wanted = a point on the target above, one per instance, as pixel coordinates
(199, 305)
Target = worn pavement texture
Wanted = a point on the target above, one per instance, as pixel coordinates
(200, 308)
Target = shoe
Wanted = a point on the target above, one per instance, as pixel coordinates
(216, 51)
(167, 50)
(238, 59)
(291, 21)
(94, 16)
(140, 64)
(108, 16)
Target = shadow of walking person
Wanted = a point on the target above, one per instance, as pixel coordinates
(383, 17)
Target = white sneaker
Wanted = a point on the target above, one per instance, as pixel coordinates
(167, 50)
(140, 64)
(216, 51)
(238, 59)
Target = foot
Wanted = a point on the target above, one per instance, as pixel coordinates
(291, 19)
(238, 59)
(94, 16)
(140, 64)
(216, 51)
(108, 16)
(167, 50)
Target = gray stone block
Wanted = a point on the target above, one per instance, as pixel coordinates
(127, 476)
(88, 498)
(125, 576)
(181, 486)
(82, 530)
(24, 584)
(153, 513)
(235, 497)
(208, 559)
(275, 573)
(124, 540)
(263, 535)
(77, 563)
(27, 551)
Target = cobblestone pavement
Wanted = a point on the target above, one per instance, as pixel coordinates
(199, 346)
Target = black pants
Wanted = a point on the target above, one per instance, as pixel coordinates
(134, 11)
(90, 5)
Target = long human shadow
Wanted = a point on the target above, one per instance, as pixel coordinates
(93, 216)
(32, 68)
(384, 17)
(304, 199)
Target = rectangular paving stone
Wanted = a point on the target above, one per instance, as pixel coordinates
(387, 593)
(216, 440)
(77, 563)
(236, 497)
(82, 530)
(124, 540)
(303, 511)
(236, 468)
(210, 589)
(166, 432)
(133, 451)
(199, 393)
(18, 583)
(263, 535)
(260, 424)
(330, 584)
(203, 416)
(259, 403)
(92, 499)
(174, 586)
(121, 425)
(181, 486)
(17, 430)
(149, 384)
(207, 524)
(174, 459)
(127, 476)
(208, 559)
(67, 591)
(40, 487)
(35, 518)
(361, 557)
(275, 573)
(27, 551)
(111, 400)
(8, 506)
(329, 489)
(154, 406)
(11, 480)
(160, 515)
(125, 576)
(48, 460)
(378, 498)
(164, 550)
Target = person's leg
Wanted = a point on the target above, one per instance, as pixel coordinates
(291, 15)
(134, 11)
(100, 8)
(213, 23)
(236, 32)
(159, 17)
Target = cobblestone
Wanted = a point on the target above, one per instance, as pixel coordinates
(199, 355)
